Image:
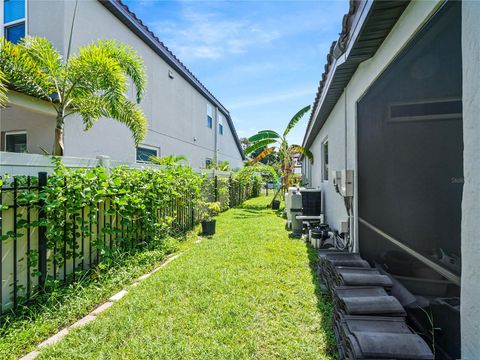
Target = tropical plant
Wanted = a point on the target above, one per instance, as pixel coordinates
(168, 160)
(3, 90)
(222, 166)
(207, 210)
(92, 83)
(274, 142)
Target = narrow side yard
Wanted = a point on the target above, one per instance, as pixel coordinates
(248, 292)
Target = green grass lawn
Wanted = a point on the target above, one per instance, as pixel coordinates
(247, 292)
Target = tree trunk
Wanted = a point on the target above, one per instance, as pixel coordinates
(58, 145)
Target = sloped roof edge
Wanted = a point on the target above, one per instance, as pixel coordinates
(129, 19)
(364, 28)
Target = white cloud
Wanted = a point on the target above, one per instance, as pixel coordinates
(270, 98)
(206, 35)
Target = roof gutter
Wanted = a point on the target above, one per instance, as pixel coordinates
(122, 13)
(376, 17)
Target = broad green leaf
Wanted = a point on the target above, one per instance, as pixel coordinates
(302, 150)
(264, 154)
(262, 135)
(296, 118)
(258, 145)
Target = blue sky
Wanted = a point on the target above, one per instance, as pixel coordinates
(262, 59)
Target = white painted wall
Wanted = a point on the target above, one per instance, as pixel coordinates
(176, 111)
(470, 305)
(413, 18)
(342, 136)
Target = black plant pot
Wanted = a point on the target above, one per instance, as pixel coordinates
(208, 227)
(275, 204)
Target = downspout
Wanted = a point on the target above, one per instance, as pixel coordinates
(349, 201)
(215, 137)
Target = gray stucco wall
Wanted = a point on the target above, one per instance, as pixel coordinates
(175, 110)
(470, 305)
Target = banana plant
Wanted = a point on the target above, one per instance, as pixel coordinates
(271, 141)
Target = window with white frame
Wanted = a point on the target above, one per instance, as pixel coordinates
(144, 152)
(325, 160)
(14, 20)
(15, 141)
(209, 116)
(220, 124)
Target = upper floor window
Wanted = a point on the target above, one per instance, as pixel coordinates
(144, 152)
(209, 116)
(15, 141)
(14, 20)
(220, 124)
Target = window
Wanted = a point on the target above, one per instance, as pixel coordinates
(209, 116)
(16, 141)
(14, 20)
(144, 152)
(325, 160)
(220, 124)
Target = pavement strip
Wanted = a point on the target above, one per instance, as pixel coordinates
(92, 316)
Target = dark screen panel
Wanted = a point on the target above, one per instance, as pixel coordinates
(410, 147)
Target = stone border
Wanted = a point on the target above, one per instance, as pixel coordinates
(101, 308)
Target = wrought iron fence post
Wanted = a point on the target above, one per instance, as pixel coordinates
(42, 229)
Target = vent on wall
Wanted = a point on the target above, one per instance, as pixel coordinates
(431, 110)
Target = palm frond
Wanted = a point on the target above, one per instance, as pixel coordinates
(131, 115)
(262, 135)
(92, 73)
(44, 55)
(302, 150)
(296, 118)
(130, 62)
(258, 145)
(23, 72)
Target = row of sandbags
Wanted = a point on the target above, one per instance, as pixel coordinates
(369, 323)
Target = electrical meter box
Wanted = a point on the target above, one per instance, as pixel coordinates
(346, 183)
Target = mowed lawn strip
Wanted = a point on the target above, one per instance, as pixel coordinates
(248, 292)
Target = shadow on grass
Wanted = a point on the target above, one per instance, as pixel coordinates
(324, 303)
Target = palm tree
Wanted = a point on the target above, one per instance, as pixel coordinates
(92, 83)
(274, 142)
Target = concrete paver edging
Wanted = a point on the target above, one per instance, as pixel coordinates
(98, 310)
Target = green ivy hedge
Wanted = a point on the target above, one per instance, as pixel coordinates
(92, 215)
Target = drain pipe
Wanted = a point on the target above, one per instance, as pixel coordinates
(348, 200)
(215, 137)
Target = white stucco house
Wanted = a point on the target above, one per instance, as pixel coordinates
(184, 117)
(398, 106)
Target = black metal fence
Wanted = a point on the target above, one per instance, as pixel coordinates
(29, 260)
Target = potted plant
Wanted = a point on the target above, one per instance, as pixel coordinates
(207, 211)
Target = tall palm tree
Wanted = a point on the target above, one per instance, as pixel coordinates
(92, 83)
(274, 142)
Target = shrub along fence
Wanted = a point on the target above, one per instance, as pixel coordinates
(54, 227)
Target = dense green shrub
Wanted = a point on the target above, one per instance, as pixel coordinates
(93, 215)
